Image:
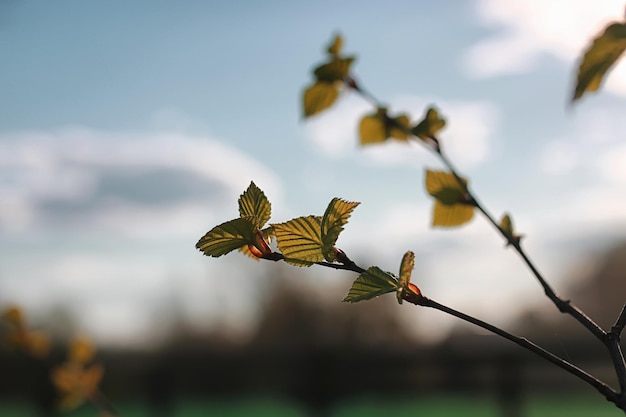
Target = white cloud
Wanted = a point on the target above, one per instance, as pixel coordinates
(67, 167)
(465, 138)
(526, 29)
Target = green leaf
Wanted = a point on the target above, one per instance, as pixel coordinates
(430, 125)
(371, 284)
(318, 97)
(452, 205)
(254, 203)
(227, 237)
(445, 187)
(335, 217)
(300, 240)
(451, 215)
(335, 47)
(406, 268)
(333, 71)
(598, 59)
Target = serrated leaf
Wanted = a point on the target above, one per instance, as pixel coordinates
(335, 46)
(335, 217)
(319, 97)
(227, 237)
(300, 240)
(598, 59)
(371, 284)
(445, 187)
(254, 203)
(406, 268)
(333, 71)
(429, 125)
(445, 215)
(372, 130)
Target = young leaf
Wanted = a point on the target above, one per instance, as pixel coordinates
(506, 224)
(430, 125)
(267, 234)
(335, 47)
(335, 70)
(318, 97)
(598, 59)
(372, 130)
(254, 203)
(379, 126)
(445, 187)
(300, 240)
(335, 217)
(398, 133)
(452, 207)
(451, 215)
(406, 268)
(371, 284)
(227, 237)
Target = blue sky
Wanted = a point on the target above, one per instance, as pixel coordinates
(130, 128)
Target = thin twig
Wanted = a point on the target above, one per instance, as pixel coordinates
(600, 386)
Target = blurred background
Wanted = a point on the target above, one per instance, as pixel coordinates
(128, 130)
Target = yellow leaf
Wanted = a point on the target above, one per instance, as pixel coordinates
(81, 351)
(335, 46)
(445, 187)
(300, 240)
(254, 203)
(430, 125)
(334, 71)
(13, 315)
(372, 130)
(598, 59)
(335, 217)
(398, 133)
(227, 237)
(318, 97)
(406, 268)
(445, 215)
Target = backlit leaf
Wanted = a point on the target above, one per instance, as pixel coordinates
(371, 284)
(430, 125)
(335, 47)
(335, 217)
(254, 203)
(335, 70)
(398, 133)
(371, 130)
(598, 59)
(318, 97)
(445, 187)
(227, 237)
(506, 224)
(300, 240)
(451, 215)
(406, 268)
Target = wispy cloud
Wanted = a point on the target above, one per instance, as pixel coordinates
(524, 30)
(121, 182)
